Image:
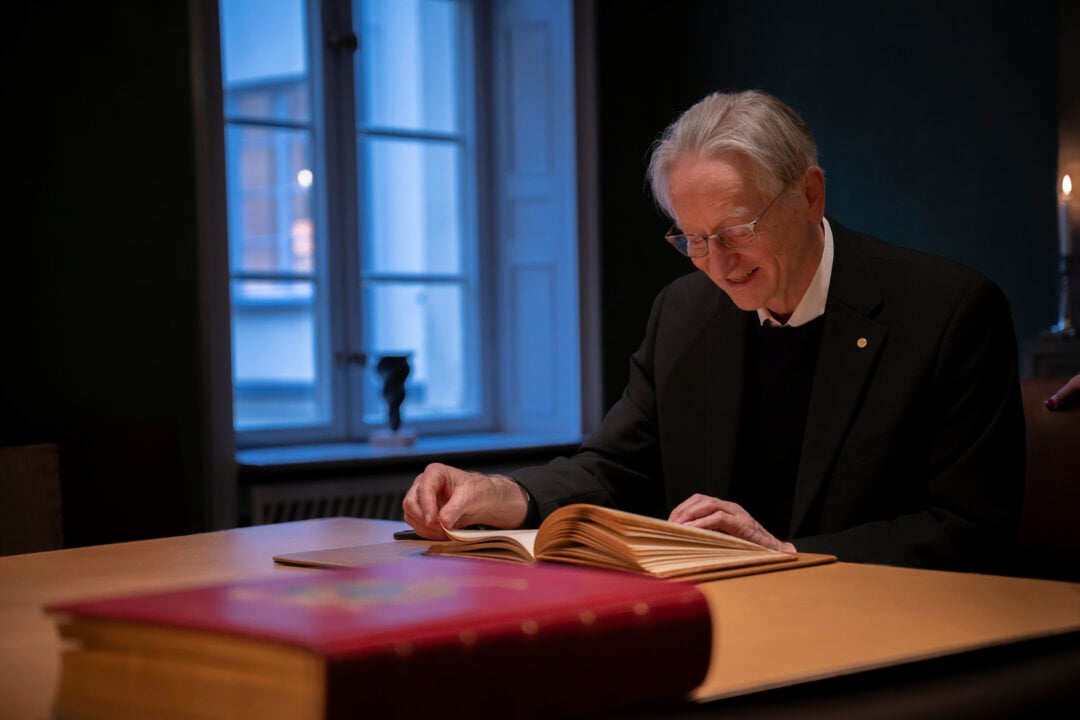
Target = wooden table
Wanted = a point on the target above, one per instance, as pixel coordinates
(771, 630)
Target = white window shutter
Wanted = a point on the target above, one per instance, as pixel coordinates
(536, 217)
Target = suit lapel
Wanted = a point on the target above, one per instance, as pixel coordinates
(850, 345)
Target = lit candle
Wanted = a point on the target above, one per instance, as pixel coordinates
(1064, 231)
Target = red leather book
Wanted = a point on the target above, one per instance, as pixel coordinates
(400, 639)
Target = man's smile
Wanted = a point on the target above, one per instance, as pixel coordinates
(741, 278)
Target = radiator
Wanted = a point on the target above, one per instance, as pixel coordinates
(375, 497)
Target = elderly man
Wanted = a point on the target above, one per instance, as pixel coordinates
(811, 388)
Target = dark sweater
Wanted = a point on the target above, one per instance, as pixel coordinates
(776, 394)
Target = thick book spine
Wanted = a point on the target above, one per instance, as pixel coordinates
(555, 667)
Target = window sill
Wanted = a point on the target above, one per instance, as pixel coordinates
(441, 448)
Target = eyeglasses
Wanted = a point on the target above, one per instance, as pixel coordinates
(734, 237)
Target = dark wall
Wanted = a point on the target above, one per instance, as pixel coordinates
(936, 126)
(98, 280)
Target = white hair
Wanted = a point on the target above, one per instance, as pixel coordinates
(759, 126)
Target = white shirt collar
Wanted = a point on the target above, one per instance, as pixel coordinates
(812, 304)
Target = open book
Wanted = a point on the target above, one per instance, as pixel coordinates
(618, 540)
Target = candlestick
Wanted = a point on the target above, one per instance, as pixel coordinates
(1064, 328)
(1064, 230)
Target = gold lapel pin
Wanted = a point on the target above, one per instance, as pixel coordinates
(861, 343)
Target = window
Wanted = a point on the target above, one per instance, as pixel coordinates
(401, 179)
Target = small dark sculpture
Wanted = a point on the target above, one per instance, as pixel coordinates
(393, 369)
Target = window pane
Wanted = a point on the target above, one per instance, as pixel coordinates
(413, 207)
(275, 378)
(406, 70)
(426, 321)
(264, 59)
(269, 196)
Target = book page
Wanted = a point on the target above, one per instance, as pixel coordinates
(497, 544)
(644, 527)
(599, 536)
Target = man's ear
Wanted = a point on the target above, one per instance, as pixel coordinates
(813, 188)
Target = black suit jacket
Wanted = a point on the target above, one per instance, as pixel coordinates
(914, 446)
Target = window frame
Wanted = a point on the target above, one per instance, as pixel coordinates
(472, 185)
(584, 351)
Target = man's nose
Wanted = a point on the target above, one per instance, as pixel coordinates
(721, 257)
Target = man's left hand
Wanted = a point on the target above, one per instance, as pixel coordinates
(711, 513)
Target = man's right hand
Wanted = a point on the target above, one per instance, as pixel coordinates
(445, 496)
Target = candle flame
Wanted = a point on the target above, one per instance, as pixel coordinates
(1066, 185)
